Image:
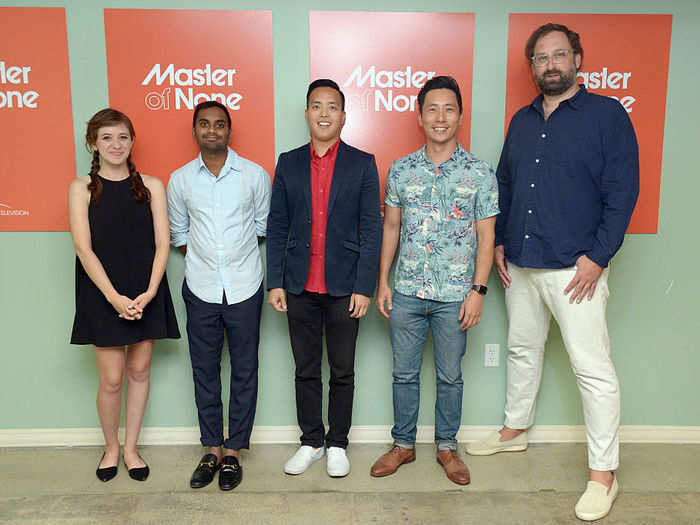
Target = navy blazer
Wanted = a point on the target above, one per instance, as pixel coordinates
(353, 228)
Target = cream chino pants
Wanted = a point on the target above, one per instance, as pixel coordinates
(532, 298)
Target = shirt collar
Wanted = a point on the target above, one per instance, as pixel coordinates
(456, 154)
(575, 102)
(330, 151)
(233, 162)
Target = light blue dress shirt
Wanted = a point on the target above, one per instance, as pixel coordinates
(219, 219)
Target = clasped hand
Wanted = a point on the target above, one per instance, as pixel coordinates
(131, 309)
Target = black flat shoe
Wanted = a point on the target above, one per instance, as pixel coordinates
(138, 473)
(107, 473)
(231, 473)
(204, 473)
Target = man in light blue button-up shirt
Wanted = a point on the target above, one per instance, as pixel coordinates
(218, 206)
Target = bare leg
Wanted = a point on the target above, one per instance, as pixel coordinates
(601, 476)
(111, 364)
(508, 433)
(220, 452)
(232, 452)
(138, 365)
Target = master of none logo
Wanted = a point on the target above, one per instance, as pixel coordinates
(183, 85)
(14, 81)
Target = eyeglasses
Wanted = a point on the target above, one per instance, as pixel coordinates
(557, 57)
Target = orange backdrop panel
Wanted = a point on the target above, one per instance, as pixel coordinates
(36, 121)
(626, 57)
(380, 61)
(161, 63)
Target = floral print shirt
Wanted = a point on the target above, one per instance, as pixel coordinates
(439, 206)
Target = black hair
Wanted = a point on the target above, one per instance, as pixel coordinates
(325, 82)
(440, 82)
(210, 104)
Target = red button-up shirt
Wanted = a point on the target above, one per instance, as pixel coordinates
(321, 178)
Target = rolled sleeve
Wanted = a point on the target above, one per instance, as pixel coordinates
(391, 195)
(487, 195)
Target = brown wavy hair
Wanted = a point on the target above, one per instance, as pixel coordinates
(573, 36)
(101, 119)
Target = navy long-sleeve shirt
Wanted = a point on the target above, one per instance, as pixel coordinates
(567, 184)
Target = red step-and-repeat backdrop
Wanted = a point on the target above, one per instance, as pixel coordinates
(36, 119)
(624, 56)
(162, 63)
(380, 61)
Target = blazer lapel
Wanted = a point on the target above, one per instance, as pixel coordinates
(304, 163)
(340, 174)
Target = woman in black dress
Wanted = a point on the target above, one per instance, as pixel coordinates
(119, 223)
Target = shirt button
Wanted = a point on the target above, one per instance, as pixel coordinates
(537, 161)
(216, 205)
(529, 211)
(532, 185)
(221, 246)
(527, 236)
(544, 135)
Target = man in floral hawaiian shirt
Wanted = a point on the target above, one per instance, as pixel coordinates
(441, 206)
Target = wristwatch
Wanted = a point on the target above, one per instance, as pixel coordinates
(480, 289)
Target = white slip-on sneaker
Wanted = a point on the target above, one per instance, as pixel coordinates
(337, 463)
(493, 445)
(302, 459)
(596, 501)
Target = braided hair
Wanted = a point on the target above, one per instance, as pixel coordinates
(111, 117)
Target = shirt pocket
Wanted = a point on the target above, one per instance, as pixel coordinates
(461, 205)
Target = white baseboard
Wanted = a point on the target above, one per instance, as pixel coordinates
(80, 437)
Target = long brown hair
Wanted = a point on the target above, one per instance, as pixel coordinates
(111, 117)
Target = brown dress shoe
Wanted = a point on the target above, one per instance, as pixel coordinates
(392, 460)
(456, 470)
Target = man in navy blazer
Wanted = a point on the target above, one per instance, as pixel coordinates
(323, 240)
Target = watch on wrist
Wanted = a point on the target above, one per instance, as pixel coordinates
(480, 289)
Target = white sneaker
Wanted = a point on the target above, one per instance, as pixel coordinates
(596, 501)
(337, 463)
(302, 459)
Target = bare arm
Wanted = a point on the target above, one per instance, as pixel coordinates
(78, 203)
(470, 312)
(390, 241)
(161, 230)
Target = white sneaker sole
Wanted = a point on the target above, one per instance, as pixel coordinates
(296, 472)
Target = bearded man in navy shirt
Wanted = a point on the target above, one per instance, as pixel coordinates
(568, 181)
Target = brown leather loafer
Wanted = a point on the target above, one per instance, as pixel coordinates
(456, 470)
(392, 460)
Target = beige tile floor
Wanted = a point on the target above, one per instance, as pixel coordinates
(659, 484)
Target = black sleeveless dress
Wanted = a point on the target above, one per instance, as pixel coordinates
(121, 230)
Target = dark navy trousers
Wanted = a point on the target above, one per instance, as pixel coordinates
(206, 323)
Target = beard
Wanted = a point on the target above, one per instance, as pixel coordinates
(553, 86)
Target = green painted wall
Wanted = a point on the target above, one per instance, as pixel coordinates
(654, 305)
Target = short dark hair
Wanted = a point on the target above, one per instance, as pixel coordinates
(325, 82)
(210, 104)
(441, 82)
(573, 36)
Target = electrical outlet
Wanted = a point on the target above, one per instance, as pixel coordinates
(492, 353)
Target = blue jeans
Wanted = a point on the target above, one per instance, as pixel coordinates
(410, 320)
